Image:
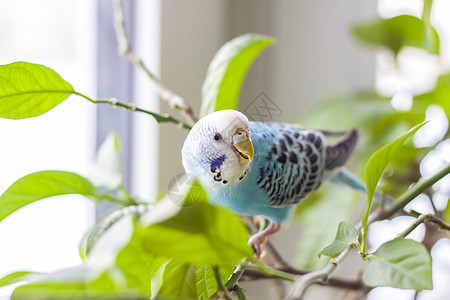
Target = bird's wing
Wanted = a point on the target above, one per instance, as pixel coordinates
(291, 161)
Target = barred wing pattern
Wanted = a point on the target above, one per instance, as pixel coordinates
(294, 163)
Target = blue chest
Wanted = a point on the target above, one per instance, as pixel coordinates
(245, 197)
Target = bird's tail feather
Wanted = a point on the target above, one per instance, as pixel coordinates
(338, 154)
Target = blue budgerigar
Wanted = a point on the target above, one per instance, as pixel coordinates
(260, 168)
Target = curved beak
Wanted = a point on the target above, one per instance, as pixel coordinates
(243, 145)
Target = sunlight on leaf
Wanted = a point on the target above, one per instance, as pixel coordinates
(106, 222)
(227, 71)
(178, 281)
(194, 233)
(206, 280)
(29, 90)
(346, 235)
(44, 184)
(201, 233)
(400, 263)
(138, 266)
(18, 276)
(80, 282)
(375, 167)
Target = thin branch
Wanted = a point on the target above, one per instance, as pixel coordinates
(222, 291)
(132, 107)
(423, 218)
(300, 286)
(239, 292)
(174, 101)
(237, 274)
(336, 282)
(409, 195)
(274, 273)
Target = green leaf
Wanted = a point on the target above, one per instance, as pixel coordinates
(400, 263)
(138, 266)
(107, 171)
(178, 281)
(80, 282)
(206, 280)
(227, 71)
(346, 235)
(44, 184)
(398, 32)
(375, 167)
(18, 276)
(106, 222)
(201, 234)
(378, 162)
(29, 90)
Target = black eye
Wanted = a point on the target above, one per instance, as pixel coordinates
(217, 136)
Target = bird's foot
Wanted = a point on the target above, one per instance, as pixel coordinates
(258, 239)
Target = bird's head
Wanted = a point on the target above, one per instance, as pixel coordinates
(218, 149)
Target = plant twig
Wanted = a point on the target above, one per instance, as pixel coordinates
(222, 291)
(174, 101)
(239, 292)
(300, 286)
(131, 107)
(423, 218)
(250, 274)
(237, 274)
(276, 273)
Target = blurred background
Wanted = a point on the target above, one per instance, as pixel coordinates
(314, 74)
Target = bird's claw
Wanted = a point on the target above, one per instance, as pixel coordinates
(256, 242)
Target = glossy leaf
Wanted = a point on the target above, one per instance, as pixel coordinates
(398, 32)
(75, 283)
(29, 90)
(378, 162)
(201, 234)
(227, 70)
(45, 184)
(178, 281)
(138, 266)
(206, 280)
(106, 222)
(18, 276)
(197, 233)
(346, 235)
(375, 167)
(400, 263)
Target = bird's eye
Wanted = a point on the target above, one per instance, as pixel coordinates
(217, 136)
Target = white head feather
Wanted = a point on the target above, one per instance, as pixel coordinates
(209, 142)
